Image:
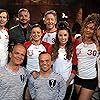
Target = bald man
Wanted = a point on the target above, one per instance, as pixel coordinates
(48, 85)
(13, 76)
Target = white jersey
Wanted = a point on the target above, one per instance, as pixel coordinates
(32, 57)
(87, 56)
(49, 37)
(62, 65)
(4, 39)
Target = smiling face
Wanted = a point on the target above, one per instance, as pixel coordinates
(36, 34)
(3, 19)
(24, 17)
(45, 62)
(89, 30)
(50, 21)
(17, 55)
(63, 36)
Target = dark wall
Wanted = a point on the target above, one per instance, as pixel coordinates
(69, 7)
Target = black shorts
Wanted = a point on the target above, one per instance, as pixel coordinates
(87, 83)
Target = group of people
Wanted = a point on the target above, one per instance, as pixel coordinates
(47, 65)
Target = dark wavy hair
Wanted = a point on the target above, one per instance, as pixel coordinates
(62, 25)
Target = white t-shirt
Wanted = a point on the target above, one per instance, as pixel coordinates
(49, 37)
(4, 39)
(62, 65)
(87, 56)
(32, 57)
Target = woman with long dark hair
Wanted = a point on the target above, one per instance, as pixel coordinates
(62, 56)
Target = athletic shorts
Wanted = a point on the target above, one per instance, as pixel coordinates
(86, 83)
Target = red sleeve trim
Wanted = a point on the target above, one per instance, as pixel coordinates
(27, 44)
(47, 46)
(43, 34)
(74, 72)
(6, 29)
(74, 57)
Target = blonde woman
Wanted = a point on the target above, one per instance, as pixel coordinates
(87, 53)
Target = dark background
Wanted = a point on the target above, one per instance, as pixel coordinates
(37, 9)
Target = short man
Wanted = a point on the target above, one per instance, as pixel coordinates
(21, 32)
(13, 77)
(48, 85)
(4, 37)
(50, 20)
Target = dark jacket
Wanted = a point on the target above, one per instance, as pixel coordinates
(17, 34)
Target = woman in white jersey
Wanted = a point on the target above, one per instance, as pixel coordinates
(87, 52)
(62, 56)
(34, 47)
(4, 37)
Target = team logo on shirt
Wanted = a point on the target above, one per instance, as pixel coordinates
(78, 51)
(53, 40)
(30, 52)
(52, 83)
(22, 78)
(6, 37)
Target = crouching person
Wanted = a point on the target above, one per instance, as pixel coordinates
(48, 85)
